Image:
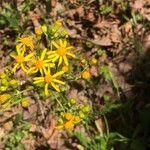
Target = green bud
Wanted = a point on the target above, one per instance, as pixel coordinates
(44, 28)
(81, 114)
(3, 88)
(85, 108)
(4, 81)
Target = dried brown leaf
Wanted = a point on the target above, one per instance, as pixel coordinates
(100, 126)
(8, 126)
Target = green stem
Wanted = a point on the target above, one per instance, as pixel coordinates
(58, 102)
(106, 123)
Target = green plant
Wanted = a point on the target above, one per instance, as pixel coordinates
(21, 131)
(109, 77)
(10, 16)
(96, 142)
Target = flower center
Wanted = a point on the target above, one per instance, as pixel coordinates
(39, 64)
(48, 78)
(19, 59)
(62, 51)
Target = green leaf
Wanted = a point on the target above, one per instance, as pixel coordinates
(104, 70)
(82, 139)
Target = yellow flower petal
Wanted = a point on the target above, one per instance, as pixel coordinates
(41, 71)
(55, 58)
(15, 68)
(55, 87)
(28, 57)
(32, 70)
(23, 68)
(70, 47)
(58, 81)
(49, 71)
(18, 48)
(61, 43)
(55, 44)
(46, 89)
(51, 52)
(38, 81)
(65, 60)
(72, 55)
(12, 55)
(46, 61)
(51, 56)
(45, 71)
(38, 78)
(58, 74)
(60, 61)
(43, 54)
(51, 65)
(65, 43)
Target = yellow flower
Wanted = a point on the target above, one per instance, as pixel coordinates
(6, 105)
(83, 61)
(77, 119)
(86, 109)
(61, 53)
(70, 121)
(49, 79)
(64, 33)
(38, 31)
(81, 114)
(73, 101)
(25, 42)
(4, 81)
(69, 116)
(56, 26)
(93, 61)
(3, 88)
(3, 75)
(20, 59)
(4, 98)
(69, 124)
(39, 63)
(13, 82)
(44, 28)
(25, 103)
(65, 68)
(86, 75)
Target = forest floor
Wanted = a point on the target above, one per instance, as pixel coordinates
(104, 98)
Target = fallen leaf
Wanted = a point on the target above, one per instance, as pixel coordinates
(8, 126)
(94, 71)
(104, 41)
(100, 126)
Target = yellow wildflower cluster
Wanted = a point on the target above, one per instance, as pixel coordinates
(86, 65)
(49, 63)
(6, 81)
(75, 113)
(53, 32)
(68, 121)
